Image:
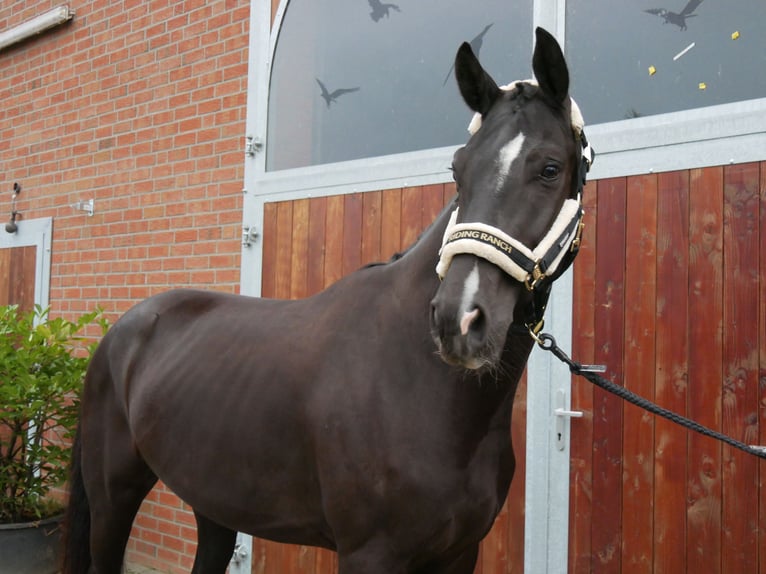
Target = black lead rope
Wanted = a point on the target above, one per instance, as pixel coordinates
(590, 372)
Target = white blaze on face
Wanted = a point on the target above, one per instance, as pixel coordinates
(508, 153)
(470, 288)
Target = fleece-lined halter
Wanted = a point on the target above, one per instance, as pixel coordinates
(537, 267)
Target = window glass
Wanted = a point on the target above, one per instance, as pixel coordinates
(633, 58)
(362, 78)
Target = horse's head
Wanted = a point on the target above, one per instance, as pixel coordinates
(519, 180)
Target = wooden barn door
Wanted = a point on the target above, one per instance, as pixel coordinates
(17, 276)
(670, 294)
(311, 243)
(25, 264)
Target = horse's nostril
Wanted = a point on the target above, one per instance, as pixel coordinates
(473, 325)
(468, 319)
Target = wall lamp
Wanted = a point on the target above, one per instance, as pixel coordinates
(11, 226)
(35, 25)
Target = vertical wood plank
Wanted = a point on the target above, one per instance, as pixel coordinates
(517, 492)
(305, 562)
(352, 232)
(326, 562)
(495, 557)
(5, 276)
(299, 559)
(316, 247)
(433, 203)
(581, 451)
(412, 214)
(479, 567)
(258, 561)
(762, 368)
(268, 277)
(390, 240)
(371, 226)
(740, 356)
(450, 191)
(703, 491)
(671, 371)
(28, 271)
(296, 559)
(17, 277)
(300, 249)
(333, 259)
(267, 557)
(284, 240)
(638, 425)
(607, 408)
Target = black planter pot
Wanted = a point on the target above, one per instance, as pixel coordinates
(30, 547)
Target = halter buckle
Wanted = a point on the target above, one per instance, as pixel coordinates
(578, 237)
(536, 275)
(534, 330)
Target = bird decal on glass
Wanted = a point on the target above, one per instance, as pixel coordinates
(379, 9)
(330, 97)
(677, 19)
(476, 44)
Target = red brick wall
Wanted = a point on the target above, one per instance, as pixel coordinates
(140, 105)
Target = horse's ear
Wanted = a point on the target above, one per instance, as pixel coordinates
(550, 67)
(478, 89)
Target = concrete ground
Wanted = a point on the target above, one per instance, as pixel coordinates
(138, 569)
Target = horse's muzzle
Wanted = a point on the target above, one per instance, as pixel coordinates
(461, 337)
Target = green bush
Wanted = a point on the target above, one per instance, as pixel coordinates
(42, 368)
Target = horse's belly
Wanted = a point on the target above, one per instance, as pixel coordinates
(266, 496)
(239, 460)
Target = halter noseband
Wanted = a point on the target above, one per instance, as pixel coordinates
(536, 268)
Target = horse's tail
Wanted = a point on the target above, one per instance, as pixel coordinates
(76, 541)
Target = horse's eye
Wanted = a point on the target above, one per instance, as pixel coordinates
(550, 171)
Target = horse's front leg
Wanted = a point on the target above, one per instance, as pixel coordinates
(374, 557)
(371, 560)
(464, 563)
(215, 545)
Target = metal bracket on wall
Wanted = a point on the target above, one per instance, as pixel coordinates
(87, 206)
(240, 553)
(249, 235)
(252, 145)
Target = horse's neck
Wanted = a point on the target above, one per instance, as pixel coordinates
(420, 260)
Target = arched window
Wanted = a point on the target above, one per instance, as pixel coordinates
(362, 78)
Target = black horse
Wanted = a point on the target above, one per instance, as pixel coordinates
(377, 411)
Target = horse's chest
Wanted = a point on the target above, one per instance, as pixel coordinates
(474, 503)
(451, 517)
(423, 506)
